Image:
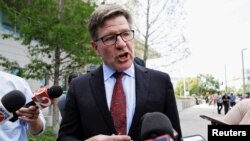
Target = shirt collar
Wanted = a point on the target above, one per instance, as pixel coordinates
(108, 72)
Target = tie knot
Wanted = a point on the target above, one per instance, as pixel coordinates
(118, 75)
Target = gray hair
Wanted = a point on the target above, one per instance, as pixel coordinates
(103, 13)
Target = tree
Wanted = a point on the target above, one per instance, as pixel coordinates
(179, 88)
(192, 86)
(160, 26)
(56, 36)
(208, 83)
(198, 85)
(247, 89)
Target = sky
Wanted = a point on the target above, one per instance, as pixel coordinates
(216, 31)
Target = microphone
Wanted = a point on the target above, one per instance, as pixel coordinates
(10, 103)
(44, 96)
(156, 126)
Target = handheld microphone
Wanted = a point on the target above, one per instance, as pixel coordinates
(10, 103)
(156, 127)
(44, 96)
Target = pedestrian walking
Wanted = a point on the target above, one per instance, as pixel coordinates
(225, 99)
(232, 100)
(219, 103)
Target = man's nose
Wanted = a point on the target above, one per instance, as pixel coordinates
(120, 42)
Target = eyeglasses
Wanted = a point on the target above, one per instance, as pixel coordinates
(111, 39)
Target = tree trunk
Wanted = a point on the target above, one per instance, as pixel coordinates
(55, 116)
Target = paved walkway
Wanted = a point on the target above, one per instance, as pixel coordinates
(192, 123)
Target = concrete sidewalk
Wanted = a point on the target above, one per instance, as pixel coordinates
(192, 123)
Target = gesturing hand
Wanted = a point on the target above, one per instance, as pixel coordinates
(110, 138)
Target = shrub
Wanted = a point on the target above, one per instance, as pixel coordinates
(46, 136)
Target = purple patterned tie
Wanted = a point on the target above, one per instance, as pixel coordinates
(118, 105)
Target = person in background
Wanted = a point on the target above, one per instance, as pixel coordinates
(219, 102)
(88, 111)
(207, 95)
(225, 102)
(248, 95)
(238, 114)
(232, 100)
(30, 119)
(62, 98)
(139, 61)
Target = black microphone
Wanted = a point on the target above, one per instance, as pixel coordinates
(43, 97)
(10, 103)
(156, 126)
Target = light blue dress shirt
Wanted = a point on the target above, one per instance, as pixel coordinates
(15, 131)
(128, 82)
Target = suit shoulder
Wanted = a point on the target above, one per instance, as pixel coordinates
(157, 72)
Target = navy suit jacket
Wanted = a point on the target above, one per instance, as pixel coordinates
(86, 112)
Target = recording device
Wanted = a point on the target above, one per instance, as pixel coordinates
(156, 127)
(213, 120)
(44, 97)
(10, 103)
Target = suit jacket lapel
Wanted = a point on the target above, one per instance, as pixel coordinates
(98, 88)
(141, 85)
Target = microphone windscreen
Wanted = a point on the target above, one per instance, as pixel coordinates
(55, 91)
(154, 125)
(13, 100)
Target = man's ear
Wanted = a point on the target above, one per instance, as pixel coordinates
(94, 45)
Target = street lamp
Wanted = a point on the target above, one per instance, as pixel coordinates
(243, 69)
(225, 78)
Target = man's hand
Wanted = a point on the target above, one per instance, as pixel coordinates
(31, 116)
(110, 138)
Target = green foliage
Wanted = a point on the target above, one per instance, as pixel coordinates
(192, 86)
(46, 136)
(240, 91)
(179, 88)
(55, 34)
(198, 85)
(10, 65)
(208, 83)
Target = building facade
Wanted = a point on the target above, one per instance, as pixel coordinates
(13, 49)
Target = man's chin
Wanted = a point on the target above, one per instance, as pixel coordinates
(122, 66)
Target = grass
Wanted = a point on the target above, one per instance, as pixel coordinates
(46, 136)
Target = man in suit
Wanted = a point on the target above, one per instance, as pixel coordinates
(87, 113)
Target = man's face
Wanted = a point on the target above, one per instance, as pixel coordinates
(119, 55)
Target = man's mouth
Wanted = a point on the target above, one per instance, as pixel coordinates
(123, 57)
